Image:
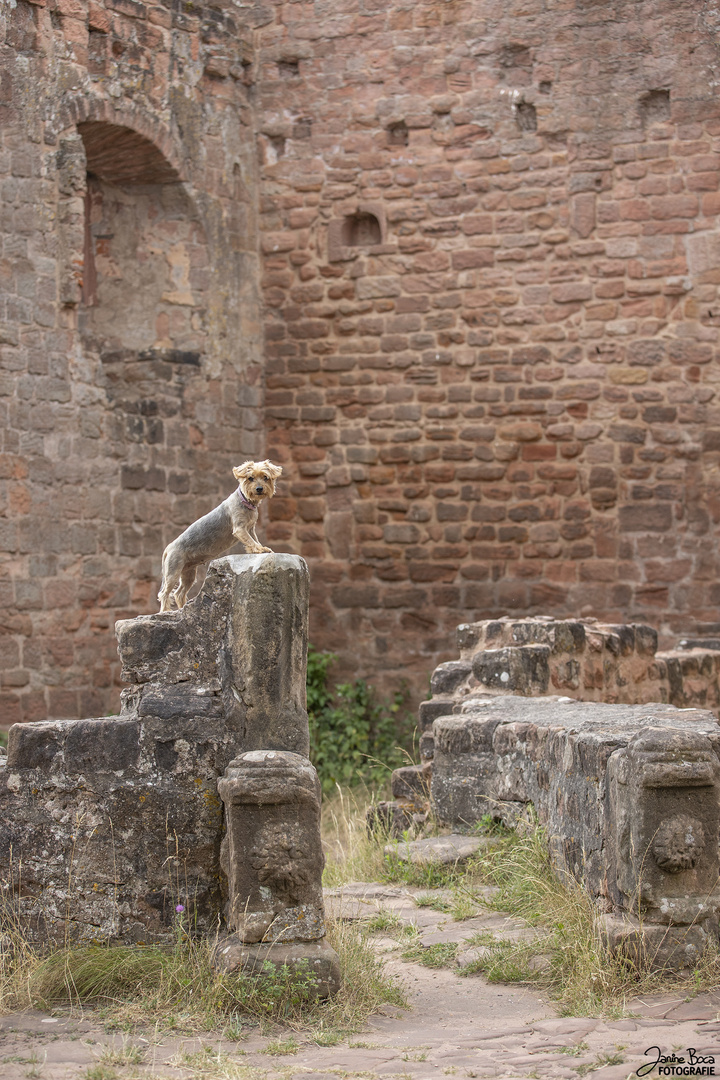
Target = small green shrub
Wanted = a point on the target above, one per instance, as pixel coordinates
(353, 737)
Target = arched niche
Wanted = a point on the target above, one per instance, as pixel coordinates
(145, 257)
(361, 231)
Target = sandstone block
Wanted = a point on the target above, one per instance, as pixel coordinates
(674, 948)
(273, 857)
(665, 809)
(440, 850)
(243, 641)
(411, 783)
(523, 670)
(315, 961)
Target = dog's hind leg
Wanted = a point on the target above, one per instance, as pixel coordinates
(165, 594)
(172, 569)
(187, 580)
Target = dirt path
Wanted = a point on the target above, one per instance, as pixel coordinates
(462, 1026)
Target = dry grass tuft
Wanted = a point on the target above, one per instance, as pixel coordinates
(177, 983)
(351, 853)
(569, 958)
(581, 974)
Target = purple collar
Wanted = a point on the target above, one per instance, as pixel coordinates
(244, 501)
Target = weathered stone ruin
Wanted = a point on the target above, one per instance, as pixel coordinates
(580, 658)
(571, 719)
(629, 797)
(272, 857)
(109, 825)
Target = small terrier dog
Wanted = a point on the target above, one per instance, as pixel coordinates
(232, 521)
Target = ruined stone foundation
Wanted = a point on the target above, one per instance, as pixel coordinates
(109, 825)
(570, 721)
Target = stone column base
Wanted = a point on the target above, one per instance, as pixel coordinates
(231, 955)
(656, 946)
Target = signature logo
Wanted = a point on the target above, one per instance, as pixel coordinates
(690, 1063)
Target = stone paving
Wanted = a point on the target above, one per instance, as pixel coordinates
(454, 1026)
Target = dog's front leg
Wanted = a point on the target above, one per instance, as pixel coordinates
(251, 544)
(254, 535)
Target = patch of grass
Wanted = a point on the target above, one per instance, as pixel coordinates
(34, 1063)
(599, 1063)
(442, 954)
(326, 1038)
(582, 975)
(351, 852)
(213, 1064)
(574, 1051)
(431, 900)
(177, 983)
(417, 1055)
(384, 920)
(462, 905)
(482, 937)
(101, 1072)
(505, 962)
(290, 1045)
(127, 1054)
(234, 1031)
(426, 875)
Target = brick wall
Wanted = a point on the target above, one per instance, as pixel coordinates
(130, 358)
(484, 241)
(491, 263)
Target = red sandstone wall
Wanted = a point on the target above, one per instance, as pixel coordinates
(497, 396)
(121, 414)
(504, 401)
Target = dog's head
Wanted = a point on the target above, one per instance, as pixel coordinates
(257, 479)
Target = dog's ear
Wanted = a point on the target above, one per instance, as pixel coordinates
(241, 471)
(274, 470)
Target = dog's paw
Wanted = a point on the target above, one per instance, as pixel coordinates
(265, 551)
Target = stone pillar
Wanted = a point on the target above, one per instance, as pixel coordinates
(267, 649)
(272, 855)
(664, 791)
(241, 644)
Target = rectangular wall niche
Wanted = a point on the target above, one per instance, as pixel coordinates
(363, 230)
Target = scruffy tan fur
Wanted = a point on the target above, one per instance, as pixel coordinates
(232, 521)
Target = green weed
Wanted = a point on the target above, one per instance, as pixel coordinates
(126, 1054)
(574, 1051)
(383, 920)
(326, 1038)
(215, 1065)
(426, 875)
(290, 1045)
(442, 954)
(352, 852)
(581, 974)
(101, 1072)
(353, 737)
(431, 900)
